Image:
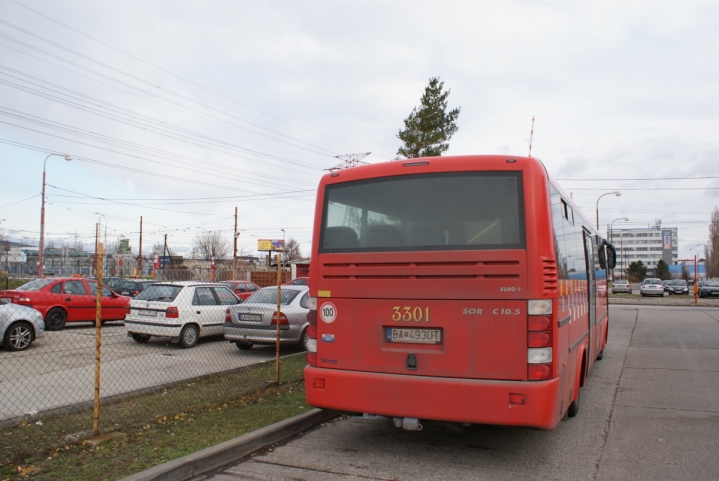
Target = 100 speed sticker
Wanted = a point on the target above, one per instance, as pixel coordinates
(328, 312)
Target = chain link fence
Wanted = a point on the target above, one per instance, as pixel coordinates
(164, 331)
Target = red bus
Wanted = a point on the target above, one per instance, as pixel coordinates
(455, 289)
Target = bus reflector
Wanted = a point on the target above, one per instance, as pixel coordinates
(538, 372)
(539, 339)
(312, 359)
(318, 383)
(517, 399)
(539, 323)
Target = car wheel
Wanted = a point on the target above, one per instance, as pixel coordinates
(189, 336)
(244, 346)
(140, 338)
(574, 406)
(643, 294)
(55, 319)
(304, 339)
(18, 336)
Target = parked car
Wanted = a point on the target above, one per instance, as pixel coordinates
(651, 287)
(690, 282)
(677, 286)
(298, 281)
(666, 283)
(132, 287)
(242, 289)
(621, 285)
(184, 311)
(255, 320)
(19, 326)
(709, 288)
(113, 282)
(67, 299)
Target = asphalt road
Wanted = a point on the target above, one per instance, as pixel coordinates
(58, 371)
(650, 410)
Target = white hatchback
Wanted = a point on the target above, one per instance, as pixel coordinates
(651, 287)
(183, 311)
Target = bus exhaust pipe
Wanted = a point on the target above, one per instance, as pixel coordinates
(408, 424)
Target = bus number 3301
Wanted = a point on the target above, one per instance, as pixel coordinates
(408, 314)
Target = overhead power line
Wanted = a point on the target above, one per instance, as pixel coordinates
(159, 68)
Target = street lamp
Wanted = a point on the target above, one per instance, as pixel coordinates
(40, 256)
(616, 192)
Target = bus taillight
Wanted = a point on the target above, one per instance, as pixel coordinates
(312, 331)
(539, 340)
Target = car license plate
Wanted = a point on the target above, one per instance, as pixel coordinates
(414, 336)
(249, 317)
(6, 299)
(148, 313)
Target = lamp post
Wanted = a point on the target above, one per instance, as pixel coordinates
(611, 236)
(40, 255)
(616, 192)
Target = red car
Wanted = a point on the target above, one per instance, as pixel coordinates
(67, 299)
(299, 281)
(243, 289)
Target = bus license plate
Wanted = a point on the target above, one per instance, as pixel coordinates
(414, 336)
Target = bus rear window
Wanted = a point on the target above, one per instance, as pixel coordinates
(446, 211)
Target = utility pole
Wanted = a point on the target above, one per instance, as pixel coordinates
(139, 258)
(234, 250)
(349, 160)
(164, 249)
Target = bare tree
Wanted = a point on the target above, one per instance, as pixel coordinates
(209, 244)
(711, 251)
(158, 248)
(292, 249)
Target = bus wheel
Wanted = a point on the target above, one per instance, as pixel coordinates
(574, 407)
(601, 355)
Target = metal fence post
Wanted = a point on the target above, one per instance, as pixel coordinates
(98, 339)
(277, 342)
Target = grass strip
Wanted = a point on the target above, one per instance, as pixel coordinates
(157, 427)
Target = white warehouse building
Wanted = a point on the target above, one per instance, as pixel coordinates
(648, 244)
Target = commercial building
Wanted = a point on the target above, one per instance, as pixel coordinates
(647, 244)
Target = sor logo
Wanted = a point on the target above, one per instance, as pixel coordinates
(328, 312)
(471, 311)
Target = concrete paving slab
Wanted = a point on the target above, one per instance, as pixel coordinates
(670, 389)
(661, 444)
(673, 358)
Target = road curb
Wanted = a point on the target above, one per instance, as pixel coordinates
(222, 454)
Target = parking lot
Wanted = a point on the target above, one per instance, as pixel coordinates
(59, 370)
(649, 410)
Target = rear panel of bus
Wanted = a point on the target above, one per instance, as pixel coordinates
(425, 269)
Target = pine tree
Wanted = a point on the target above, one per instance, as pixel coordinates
(711, 250)
(428, 128)
(662, 270)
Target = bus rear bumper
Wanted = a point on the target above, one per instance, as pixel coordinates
(509, 403)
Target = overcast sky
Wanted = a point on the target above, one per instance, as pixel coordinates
(168, 105)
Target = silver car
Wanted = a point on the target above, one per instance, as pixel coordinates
(651, 287)
(621, 285)
(253, 321)
(19, 326)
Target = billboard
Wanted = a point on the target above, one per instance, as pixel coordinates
(270, 245)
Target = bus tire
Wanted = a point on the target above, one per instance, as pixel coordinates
(574, 406)
(600, 356)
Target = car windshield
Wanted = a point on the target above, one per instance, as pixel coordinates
(35, 285)
(679, 282)
(159, 292)
(652, 281)
(711, 284)
(621, 283)
(268, 295)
